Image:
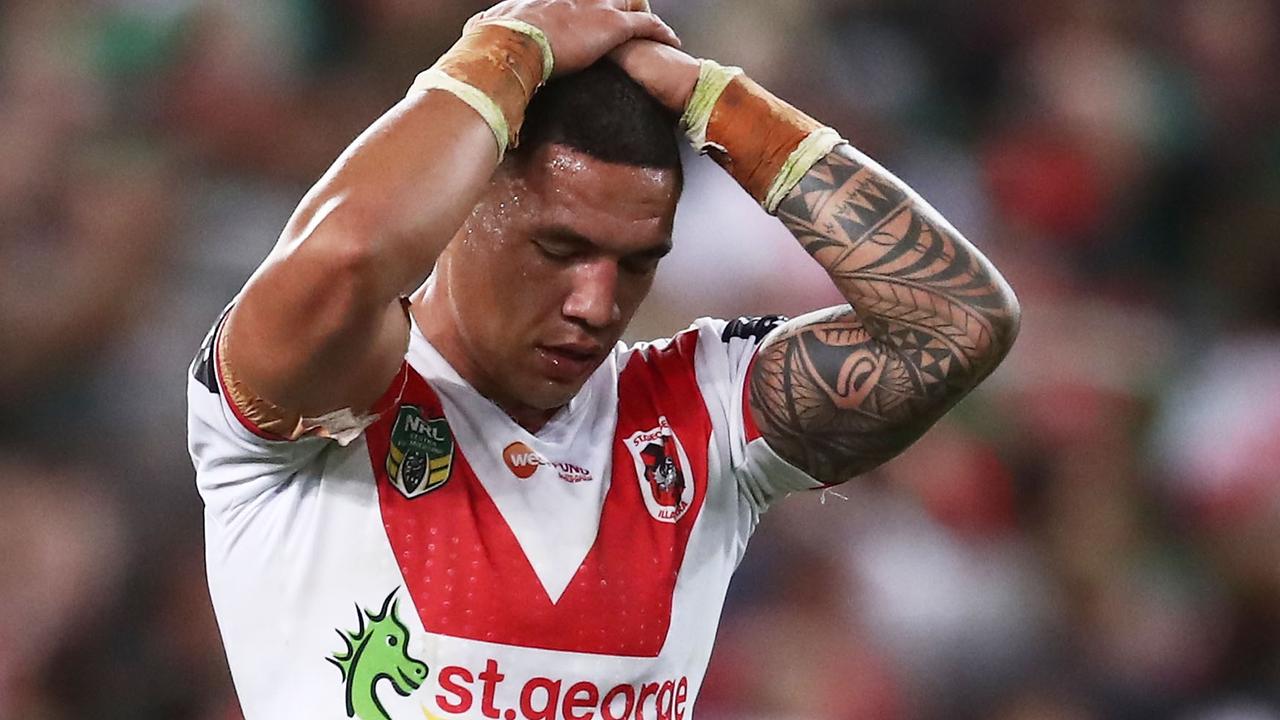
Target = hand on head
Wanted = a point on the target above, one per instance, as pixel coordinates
(583, 31)
(665, 72)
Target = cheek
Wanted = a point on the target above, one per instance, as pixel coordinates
(510, 288)
(486, 267)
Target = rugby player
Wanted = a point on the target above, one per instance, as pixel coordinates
(464, 497)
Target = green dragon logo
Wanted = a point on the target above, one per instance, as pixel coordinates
(377, 650)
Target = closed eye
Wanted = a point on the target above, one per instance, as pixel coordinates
(563, 246)
(557, 249)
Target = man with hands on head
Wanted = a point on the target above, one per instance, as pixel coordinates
(532, 519)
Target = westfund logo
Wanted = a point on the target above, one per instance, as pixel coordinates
(523, 461)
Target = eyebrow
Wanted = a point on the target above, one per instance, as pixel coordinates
(566, 234)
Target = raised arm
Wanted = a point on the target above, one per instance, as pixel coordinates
(840, 391)
(319, 327)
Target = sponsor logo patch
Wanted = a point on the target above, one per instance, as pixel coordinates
(467, 690)
(523, 461)
(421, 455)
(663, 470)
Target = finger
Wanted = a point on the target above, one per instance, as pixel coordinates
(650, 27)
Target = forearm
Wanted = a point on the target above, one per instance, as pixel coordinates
(374, 226)
(889, 253)
(396, 196)
(929, 317)
(900, 264)
(841, 391)
(369, 230)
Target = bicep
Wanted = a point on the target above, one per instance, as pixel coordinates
(835, 400)
(308, 336)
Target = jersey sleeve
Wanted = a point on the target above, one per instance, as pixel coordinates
(723, 360)
(237, 463)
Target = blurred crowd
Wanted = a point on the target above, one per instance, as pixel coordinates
(1094, 534)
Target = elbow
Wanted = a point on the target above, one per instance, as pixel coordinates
(1005, 321)
(1010, 319)
(995, 322)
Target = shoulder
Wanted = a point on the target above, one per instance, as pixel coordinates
(704, 335)
(753, 329)
(710, 356)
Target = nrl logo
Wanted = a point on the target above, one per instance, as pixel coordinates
(663, 471)
(421, 455)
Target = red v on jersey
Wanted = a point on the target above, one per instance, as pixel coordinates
(470, 578)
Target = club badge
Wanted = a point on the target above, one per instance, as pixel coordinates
(663, 471)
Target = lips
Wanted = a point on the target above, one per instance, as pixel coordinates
(570, 361)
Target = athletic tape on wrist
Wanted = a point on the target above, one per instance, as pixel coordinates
(520, 26)
(480, 102)
(767, 145)
(817, 145)
(713, 78)
(495, 68)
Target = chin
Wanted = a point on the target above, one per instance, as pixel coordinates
(552, 395)
(555, 398)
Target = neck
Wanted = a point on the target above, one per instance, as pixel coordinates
(439, 327)
(530, 419)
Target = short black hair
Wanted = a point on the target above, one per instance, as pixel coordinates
(603, 113)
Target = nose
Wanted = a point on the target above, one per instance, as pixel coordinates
(593, 299)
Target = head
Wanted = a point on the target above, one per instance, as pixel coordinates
(553, 262)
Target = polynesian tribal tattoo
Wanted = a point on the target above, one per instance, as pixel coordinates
(843, 390)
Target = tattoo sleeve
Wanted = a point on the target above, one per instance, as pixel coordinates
(840, 391)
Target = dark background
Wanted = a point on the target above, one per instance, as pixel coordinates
(1094, 534)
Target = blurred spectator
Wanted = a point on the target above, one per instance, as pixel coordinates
(63, 549)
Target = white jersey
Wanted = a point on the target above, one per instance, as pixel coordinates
(449, 564)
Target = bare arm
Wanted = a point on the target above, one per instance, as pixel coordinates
(319, 326)
(840, 391)
(843, 390)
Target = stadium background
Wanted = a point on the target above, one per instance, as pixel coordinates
(1095, 534)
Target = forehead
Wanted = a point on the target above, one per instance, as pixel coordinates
(569, 186)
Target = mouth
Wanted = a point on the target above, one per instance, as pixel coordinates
(569, 362)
